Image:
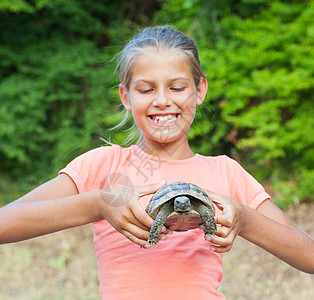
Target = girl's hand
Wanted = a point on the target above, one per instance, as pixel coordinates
(267, 227)
(121, 208)
(229, 224)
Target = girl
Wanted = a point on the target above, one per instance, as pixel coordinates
(162, 83)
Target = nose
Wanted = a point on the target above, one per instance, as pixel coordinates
(182, 204)
(161, 100)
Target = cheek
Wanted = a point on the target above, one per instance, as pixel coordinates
(138, 107)
(188, 104)
(185, 99)
(139, 112)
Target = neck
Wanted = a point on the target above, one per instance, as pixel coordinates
(173, 150)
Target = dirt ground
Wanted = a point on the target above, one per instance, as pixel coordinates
(62, 266)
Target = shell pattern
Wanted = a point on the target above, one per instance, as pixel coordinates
(168, 192)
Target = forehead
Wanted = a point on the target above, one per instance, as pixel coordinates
(155, 64)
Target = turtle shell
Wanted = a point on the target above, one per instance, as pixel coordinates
(168, 192)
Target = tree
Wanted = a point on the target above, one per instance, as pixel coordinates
(258, 57)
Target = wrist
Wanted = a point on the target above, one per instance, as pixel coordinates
(97, 207)
(244, 218)
(91, 205)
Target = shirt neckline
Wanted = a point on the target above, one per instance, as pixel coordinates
(141, 153)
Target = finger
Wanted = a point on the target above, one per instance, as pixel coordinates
(141, 242)
(224, 220)
(218, 204)
(140, 215)
(136, 231)
(220, 249)
(220, 241)
(166, 230)
(138, 236)
(163, 237)
(142, 220)
(222, 231)
(137, 223)
(119, 218)
(219, 200)
(149, 189)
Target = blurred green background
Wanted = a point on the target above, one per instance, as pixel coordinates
(59, 96)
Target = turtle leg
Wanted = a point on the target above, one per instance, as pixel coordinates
(208, 219)
(155, 230)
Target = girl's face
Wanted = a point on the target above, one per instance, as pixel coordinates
(162, 95)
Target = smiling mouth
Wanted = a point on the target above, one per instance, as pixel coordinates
(164, 119)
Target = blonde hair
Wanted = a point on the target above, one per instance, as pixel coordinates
(160, 37)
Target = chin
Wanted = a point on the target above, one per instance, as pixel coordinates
(169, 139)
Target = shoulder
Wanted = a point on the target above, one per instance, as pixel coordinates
(101, 151)
(220, 161)
(237, 182)
(89, 169)
(97, 155)
(100, 159)
(229, 166)
(217, 158)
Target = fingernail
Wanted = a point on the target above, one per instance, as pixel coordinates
(170, 232)
(162, 182)
(147, 246)
(163, 229)
(208, 238)
(163, 237)
(212, 248)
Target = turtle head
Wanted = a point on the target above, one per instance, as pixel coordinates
(182, 204)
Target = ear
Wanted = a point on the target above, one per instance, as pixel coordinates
(201, 91)
(124, 97)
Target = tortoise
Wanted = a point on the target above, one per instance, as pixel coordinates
(180, 206)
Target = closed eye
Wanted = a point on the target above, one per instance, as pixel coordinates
(145, 91)
(178, 89)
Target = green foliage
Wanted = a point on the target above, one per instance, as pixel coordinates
(22, 5)
(55, 90)
(57, 82)
(258, 57)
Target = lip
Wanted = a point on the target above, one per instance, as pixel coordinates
(162, 115)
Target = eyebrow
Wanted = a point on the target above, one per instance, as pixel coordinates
(151, 81)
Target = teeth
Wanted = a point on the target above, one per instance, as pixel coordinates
(164, 119)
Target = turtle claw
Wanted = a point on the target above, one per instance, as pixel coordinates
(211, 230)
(153, 243)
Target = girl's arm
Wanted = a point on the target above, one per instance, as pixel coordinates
(56, 205)
(53, 206)
(267, 227)
(272, 230)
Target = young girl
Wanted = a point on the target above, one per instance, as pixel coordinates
(162, 84)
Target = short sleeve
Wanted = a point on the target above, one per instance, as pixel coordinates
(89, 170)
(244, 187)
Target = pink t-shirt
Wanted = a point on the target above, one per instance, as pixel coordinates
(182, 267)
